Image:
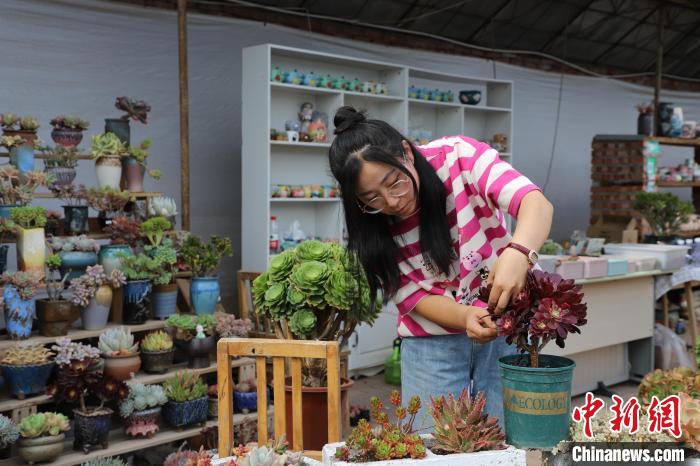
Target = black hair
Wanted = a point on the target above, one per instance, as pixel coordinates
(360, 139)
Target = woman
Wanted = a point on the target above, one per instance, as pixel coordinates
(428, 227)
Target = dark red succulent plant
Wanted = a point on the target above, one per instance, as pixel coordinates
(548, 308)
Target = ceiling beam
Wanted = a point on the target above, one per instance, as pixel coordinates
(408, 11)
(487, 21)
(626, 34)
(680, 38)
(688, 53)
(545, 10)
(568, 23)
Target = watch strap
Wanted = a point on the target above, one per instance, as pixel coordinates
(523, 249)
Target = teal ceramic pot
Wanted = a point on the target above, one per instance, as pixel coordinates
(204, 294)
(5, 210)
(108, 256)
(74, 263)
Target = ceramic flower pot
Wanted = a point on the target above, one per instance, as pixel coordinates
(76, 219)
(28, 135)
(245, 402)
(63, 176)
(45, 448)
(3, 257)
(55, 317)
(96, 314)
(137, 302)
(199, 350)
(133, 172)
(108, 256)
(19, 314)
(181, 414)
(123, 366)
(31, 250)
(67, 137)
(75, 263)
(470, 97)
(5, 210)
(91, 430)
(24, 381)
(213, 411)
(120, 128)
(23, 158)
(164, 300)
(157, 362)
(109, 171)
(204, 294)
(143, 422)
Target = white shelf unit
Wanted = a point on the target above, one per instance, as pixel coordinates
(267, 105)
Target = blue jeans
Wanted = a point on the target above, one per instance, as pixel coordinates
(444, 364)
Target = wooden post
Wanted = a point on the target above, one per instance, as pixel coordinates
(184, 114)
(659, 66)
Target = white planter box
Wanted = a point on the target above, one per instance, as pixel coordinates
(667, 256)
(216, 461)
(510, 456)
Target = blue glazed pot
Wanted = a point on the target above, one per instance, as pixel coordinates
(24, 158)
(3, 257)
(19, 314)
(246, 402)
(91, 431)
(164, 300)
(5, 210)
(76, 219)
(77, 262)
(108, 256)
(204, 293)
(180, 414)
(27, 380)
(137, 302)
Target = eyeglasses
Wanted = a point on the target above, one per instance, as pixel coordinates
(377, 204)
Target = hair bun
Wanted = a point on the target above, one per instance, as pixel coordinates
(347, 118)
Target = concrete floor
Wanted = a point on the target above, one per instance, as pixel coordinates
(367, 387)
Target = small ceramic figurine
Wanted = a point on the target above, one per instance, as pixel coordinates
(355, 85)
(369, 87)
(310, 79)
(276, 75)
(200, 332)
(318, 128)
(292, 127)
(326, 81)
(340, 83)
(381, 88)
(500, 142)
(305, 114)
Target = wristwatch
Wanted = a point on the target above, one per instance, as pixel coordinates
(532, 256)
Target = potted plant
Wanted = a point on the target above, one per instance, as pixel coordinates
(163, 207)
(42, 436)
(164, 286)
(68, 130)
(108, 202)
(9, 123)
(26, 369)
(134, 166)
(665, 213)
(134, 109)
(203, 260)
(60, 162)
(196, 458)
(107, 151)
(228, 326)
(548, 308)
(140, 270)
(195, 335)
(75, 207)
(187, 400)
(55, 313)
(124, 235)
(7, 231)
(245, 396)
(157, 352)
(30, 237)
(9, 433)
(121, 354)
(23, 127)
(92, 292)
(18, 295)
(17, 191)
(77, 253)
(53, 223)
(141, 409)
(78, 381)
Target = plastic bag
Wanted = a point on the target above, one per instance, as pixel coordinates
(670, 349)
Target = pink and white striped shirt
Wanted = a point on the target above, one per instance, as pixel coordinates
(480, 187)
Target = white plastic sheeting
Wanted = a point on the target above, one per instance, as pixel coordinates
(76, 56)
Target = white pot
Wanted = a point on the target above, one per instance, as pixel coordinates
(216, 461)
(511, 456)
(109, 171)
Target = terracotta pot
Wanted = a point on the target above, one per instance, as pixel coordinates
(67, 137)
(314, 408)
(28, 135)
(143, 422)
(121, 367)
(55, 317)
(34, 450)
(157, 362)
(92, 429)
(133, 172)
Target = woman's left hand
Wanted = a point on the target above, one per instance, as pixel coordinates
(507, 277)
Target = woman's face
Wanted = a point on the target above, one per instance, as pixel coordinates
(384, 189)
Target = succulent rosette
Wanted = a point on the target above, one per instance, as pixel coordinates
(302, 322)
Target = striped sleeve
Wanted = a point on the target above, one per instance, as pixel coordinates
(492, 177)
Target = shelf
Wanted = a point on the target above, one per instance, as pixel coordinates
(688, 142)
(678, 184)
(12, 404)
(432, 103)
(484, 108)
(315, 145)
(305, 199)
(79, 334)
(307, 89)
(370, 96)
(134, 195)
(688, 234)
(43, 156)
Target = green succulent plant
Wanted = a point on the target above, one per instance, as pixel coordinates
(202, 258)
(142, 397)
(112, 461)
(43, 424)
(9, 432)
(661, 384)
(154, 228)
(117, 341)
(157, 341)
(185, 386)
(302, 322)
(139, 266)
(29, 217)
(185, 325)
(106, 145)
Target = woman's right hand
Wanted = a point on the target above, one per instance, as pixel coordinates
(479, 325)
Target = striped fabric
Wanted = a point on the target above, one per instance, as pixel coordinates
(480, 187)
